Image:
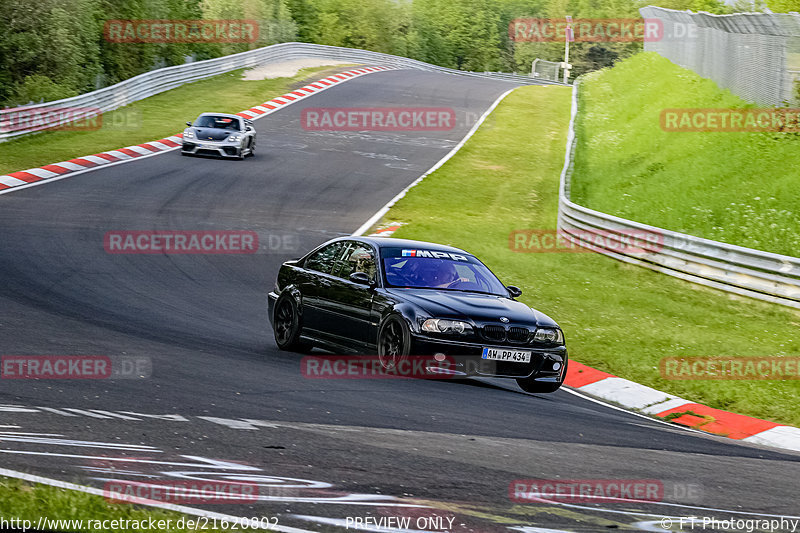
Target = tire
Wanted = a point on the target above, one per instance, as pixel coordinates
(394, 342)
(252, 151)
(536, 387)
(286, 325)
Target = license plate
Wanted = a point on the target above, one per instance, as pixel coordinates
(501, 354)
(208, 147)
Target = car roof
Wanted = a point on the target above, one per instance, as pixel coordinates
(391, 242)
(228, 115)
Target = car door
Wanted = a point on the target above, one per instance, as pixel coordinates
(316, 277)
(346, 306)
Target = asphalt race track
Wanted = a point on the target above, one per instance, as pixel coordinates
(354, 448)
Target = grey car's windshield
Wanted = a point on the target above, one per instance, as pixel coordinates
(433, 269)
(223, 123)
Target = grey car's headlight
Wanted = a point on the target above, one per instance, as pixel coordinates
(441, 325)
(551, 335)
(234, 138)
(188, 135)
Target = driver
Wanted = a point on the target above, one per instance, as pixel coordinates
(445, 275)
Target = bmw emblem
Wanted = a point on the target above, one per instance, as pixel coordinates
(504, 320)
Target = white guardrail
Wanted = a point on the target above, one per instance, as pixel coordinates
(744, 271)
(38, 117)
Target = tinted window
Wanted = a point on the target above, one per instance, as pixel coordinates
(429, 269)
(218, 122)
(323, 259)
(357, 258)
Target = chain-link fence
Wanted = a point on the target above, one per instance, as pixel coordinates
(546, 70)
(752, 54)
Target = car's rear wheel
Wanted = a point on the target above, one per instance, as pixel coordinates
(394, 342)
(286, 325)
(539, 387)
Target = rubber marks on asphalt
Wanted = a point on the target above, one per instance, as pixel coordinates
(33, 175)
(680, 411)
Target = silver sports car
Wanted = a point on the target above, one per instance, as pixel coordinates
(219, 134)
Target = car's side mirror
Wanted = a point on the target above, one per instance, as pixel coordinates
(249, 128)
(189, 124)
(514, 292)
(362, 278)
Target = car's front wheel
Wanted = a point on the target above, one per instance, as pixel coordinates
(286, 325)
(394, 342)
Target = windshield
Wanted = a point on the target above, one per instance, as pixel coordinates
(428, 269)
(223, 123)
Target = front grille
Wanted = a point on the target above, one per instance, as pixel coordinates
(230, 150)
(516, 334)
(494, 333)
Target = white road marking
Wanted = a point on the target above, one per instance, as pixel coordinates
(57, 411)
(38, 439)
(229, 422)
(170, 418)
(115, 415)
(84, 412)
(150, 503)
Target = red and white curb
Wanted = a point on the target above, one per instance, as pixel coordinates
(677, 410)
(89, 162)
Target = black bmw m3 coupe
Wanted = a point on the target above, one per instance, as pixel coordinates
(397, 298)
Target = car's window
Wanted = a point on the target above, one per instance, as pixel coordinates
(211, 121)
(358, 258)
(323, 259)
(431, 269)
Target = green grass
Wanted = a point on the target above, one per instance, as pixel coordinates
(150, 119)
(617, 317)
(736, 187)
(26, 501)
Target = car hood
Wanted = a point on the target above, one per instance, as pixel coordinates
(211, 134)
(478, 307)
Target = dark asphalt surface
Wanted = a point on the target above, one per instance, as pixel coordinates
(201, 319)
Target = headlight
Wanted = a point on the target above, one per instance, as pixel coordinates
(441, 325)
(234, 138)
(549, 335)
(188, 135)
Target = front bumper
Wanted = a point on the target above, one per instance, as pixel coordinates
(465, 358)
(218, 148)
